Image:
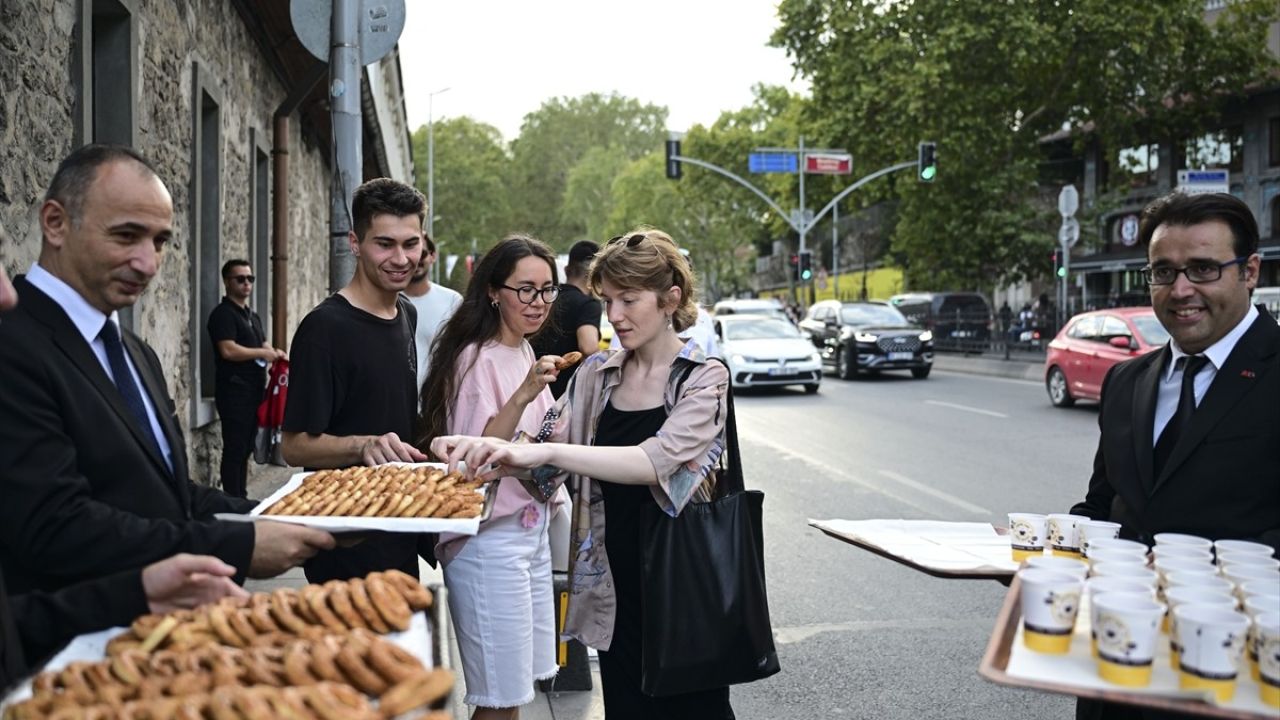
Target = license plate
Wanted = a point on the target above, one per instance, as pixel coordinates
(961, 333)
(777, 371)
(896, 356)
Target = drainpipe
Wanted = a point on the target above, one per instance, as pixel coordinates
(280, 207)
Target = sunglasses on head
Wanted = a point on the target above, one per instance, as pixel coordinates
(242, 279)
(631, 240)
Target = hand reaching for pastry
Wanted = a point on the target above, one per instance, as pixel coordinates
(185, 581)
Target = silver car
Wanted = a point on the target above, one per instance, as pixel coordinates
(767, 351)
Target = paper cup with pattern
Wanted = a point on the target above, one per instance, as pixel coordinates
(1106, 553)
(1095, 587)
(1245, 547)
(1165, 566)
(1130, 570)
(1187, 552)
(1070, 566)
(1259, 587)
(1050, 602)
(1192, 596)
(1267, 628)
(1026, 535)
(1127, 627)
(1064, 535)
(1090, 530)
(1241, 575)
(1133, 546)
(1255, 606)
(1212, 648)
(1194, 579)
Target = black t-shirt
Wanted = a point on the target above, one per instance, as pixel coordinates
(352, 373)
(572, 310)
(229, 321)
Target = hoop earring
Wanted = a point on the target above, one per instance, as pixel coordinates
(493, 304)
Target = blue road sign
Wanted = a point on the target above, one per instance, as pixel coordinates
(773, 162)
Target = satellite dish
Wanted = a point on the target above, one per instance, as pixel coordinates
(380, 23)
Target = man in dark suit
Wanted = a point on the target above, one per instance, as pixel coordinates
(1191, 434)
(93, 467)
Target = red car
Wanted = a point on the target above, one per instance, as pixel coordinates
(1090, 343)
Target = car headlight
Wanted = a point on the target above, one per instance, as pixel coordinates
(740, 359)
(817, 358)
(864, 337)
(926, 336)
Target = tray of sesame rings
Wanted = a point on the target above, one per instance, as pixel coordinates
(357, 648)
(396, 497)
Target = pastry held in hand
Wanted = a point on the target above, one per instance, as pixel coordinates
(568, 360)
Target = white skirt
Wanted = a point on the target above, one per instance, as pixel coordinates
(500, 597)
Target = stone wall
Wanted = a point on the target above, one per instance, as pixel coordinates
(37, 101)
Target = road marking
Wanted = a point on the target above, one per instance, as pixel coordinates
(834, 472)
(966, 408)
(943, 496)
(800, 633)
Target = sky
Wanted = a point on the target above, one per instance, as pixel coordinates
(501, 59)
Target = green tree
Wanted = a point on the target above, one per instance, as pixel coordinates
(588, 195)
(555, 138)
(987, 81)
(471, 197)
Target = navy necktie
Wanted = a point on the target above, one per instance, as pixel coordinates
(124, 383)
(1181, 419)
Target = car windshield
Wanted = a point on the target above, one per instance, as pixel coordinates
(871, 315)
(1150, 329)
(760, 330)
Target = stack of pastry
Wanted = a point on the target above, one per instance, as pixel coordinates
(387, 491)
(312, 652)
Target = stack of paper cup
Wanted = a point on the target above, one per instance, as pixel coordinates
(1064, 535)
(1026, 535)
(1050, 603)
(1212, 642)
(1256, 605)
(1127, 628)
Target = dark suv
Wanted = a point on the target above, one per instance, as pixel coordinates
(867, 337)
(959, 320)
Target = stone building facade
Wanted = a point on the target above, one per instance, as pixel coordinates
(195, 85)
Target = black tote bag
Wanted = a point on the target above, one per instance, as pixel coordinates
(705, 610)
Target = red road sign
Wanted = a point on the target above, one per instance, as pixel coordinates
(828, 163)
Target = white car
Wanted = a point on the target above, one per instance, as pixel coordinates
(767, 351)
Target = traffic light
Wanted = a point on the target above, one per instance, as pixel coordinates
(674, 167)
(806, 266)
(794, 262)
(927, 164)
(1058, 270)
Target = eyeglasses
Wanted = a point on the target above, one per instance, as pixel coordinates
(242, 279)
(1198, 272)
(526, 293)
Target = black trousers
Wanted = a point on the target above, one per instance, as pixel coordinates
(237, 401)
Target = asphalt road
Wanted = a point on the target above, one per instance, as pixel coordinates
(863, 637)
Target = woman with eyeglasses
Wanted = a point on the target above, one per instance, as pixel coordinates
(485, 380)
(636, 426)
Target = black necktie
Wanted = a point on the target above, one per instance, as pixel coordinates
(124, 382)
(1191, 364)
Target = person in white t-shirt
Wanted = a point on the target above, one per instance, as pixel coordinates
(435, 304)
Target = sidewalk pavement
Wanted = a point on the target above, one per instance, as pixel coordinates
(991, 364)
(585, 705)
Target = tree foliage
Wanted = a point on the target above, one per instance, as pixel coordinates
(472, 200)
(988, 80)
(555, 138)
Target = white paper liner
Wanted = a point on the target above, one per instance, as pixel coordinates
(1080, 669)
(93, 647)
(937, 545)
(346, 524)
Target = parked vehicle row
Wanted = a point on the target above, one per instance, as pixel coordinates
(1091, 343)
(868, 337)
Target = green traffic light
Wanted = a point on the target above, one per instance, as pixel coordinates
(929, 172)
(1062, 272)
(806, 275)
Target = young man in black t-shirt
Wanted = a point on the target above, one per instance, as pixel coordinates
(241, 354)
(353, 394)
(575, 317)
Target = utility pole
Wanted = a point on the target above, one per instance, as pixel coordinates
(347, 156)
(431, 164)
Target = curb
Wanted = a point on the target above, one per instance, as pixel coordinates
(990, 366)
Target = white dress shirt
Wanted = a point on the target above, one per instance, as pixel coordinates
(1171, 378)
(89, 321)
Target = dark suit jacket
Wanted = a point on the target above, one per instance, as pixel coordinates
(85, 494)
(1223, 478)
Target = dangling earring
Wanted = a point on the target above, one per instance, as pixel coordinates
(669, 325)
(493, 304)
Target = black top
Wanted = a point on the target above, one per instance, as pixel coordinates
(229, 321)
(352, 373)
(572, 310)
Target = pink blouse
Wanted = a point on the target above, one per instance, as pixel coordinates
(488, 375)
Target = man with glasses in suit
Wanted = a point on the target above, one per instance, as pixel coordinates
(241, 355)
(1189, 434)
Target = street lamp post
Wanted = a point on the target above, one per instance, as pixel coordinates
(431, 163)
